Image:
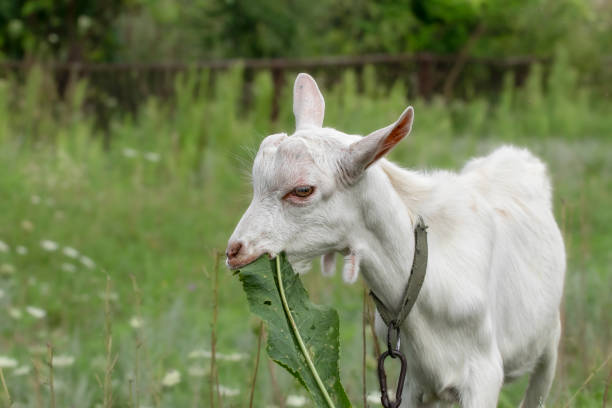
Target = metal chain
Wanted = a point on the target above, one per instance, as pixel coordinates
(394, 320)
(382, 375)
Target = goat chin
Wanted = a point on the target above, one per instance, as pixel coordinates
(300, 265)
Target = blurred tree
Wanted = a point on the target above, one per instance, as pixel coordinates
(263, 28)
(66, 30)
(190, 30)
(268, 28)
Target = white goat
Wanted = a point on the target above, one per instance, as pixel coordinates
(488, 311)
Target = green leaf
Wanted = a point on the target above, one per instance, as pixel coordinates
(316, 327)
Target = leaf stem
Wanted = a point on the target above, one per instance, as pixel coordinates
(6, 391)
(298, 337)
(254, 380)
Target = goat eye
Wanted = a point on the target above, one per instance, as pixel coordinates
(303, 191)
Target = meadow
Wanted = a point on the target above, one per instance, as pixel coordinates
(109, 239)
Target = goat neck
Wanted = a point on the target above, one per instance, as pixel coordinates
(384, 237)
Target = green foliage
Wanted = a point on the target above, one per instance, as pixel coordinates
(317, 327)
(263, 95)
(266, 28)
(146, 204)
(62, 29)
(187, 31)
(164, 30)
(201, 120)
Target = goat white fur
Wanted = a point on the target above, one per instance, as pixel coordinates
(488, 311)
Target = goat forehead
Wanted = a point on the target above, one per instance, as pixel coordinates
(326, 138)
(302, 158)
(281, 162)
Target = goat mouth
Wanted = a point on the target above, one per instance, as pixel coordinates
(236, 264)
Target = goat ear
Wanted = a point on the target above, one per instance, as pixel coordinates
(363, 153)
(308, 103)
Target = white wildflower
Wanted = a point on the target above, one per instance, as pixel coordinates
(4, 247)
(35, 199)
(27, 225)
(374, 398)
(111, 296)
(21, 370)
(171, 378)
(7, 362)
(70, 252)
(136, 322)
(15, 313)
(227, 391)
(87, 262)
(38, 349)
(21, 250)
(36, 312)
(68, 267)
(296, 400)
(197, 371)
(49, 245)
(62, 360)
(129, 152)
(7, 269)
(200, 354)
(233, 357)
(152, 157)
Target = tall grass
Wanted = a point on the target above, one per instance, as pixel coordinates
(150, 198)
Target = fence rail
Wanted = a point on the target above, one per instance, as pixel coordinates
(128, 84)
(279, 63)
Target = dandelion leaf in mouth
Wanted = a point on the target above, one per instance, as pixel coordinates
(318, 327)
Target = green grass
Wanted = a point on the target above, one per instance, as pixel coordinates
(158, 219)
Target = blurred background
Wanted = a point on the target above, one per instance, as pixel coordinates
(127, 131)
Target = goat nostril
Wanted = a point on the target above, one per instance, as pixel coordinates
(233, 249)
